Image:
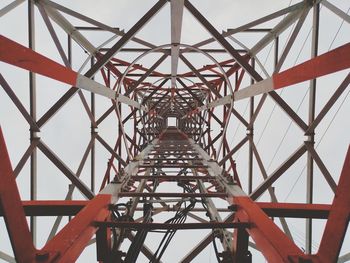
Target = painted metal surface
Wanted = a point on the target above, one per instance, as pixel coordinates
(195, 157)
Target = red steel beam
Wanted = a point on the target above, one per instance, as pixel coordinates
(269, 238)
(182, 195)
(15, 54)
(68, 244)
(51, 207)
(338, 219)
(11, 205)
(73, 207)
(168, 226)
(332, 61)
(327, 63)
(295, 210)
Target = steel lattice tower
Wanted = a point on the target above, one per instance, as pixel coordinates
(136, 148)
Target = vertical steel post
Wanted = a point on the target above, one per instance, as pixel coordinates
(250, 133)
(224, 135)
(311, 135)
(33, 134)
(93, 131)
(276, 52)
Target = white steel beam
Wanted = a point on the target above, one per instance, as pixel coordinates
(176, 9)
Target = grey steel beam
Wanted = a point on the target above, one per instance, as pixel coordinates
(66, 60)
(126, 38)
(288, 110)
(278, 172)
(311, 136)
(33, 126)
(84, 189)
(215, 216)
(342, 87)
(33, 114)
(7, 258)
(344, 258)
(256, 22)
(10, 6)
(317, 159)
(292, 38)
(25, 157)
(271, 191)
(197, 249)
(235, 149)
(72, 187)
(94, 22)
(336, 10)
(109, 148)
(226, 45)
(176, 13)
(250, 135)
(199, 75)
(145, 75)
(144, 249)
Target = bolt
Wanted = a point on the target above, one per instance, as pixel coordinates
(42, 255)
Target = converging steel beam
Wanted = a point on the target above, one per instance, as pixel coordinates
(126, 38)
(338, 220)
(10, 201)
(327, 63)
(13, 53)
(211, 29)
(176, 10)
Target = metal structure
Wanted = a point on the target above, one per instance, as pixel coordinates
(171, 157)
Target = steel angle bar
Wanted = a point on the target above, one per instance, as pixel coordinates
(342, 87)
(71, 189)
(332, 184)
(183, 226)
(197, 249)
(278, 172)
(292, 38)
(28, 59)
(234, 53)
(69, 243)
(176, 9)
(257, 22)
(271, 192)
(25, 157)
(109, 148)
(98, 24)
(336, 10)
(18, 104)
(83, 188)
(126, 38)
(72, 207)
(7, 258)
(327, 63)
(10, 6)
(10, 201)
(144, 249)
(235, 149)
(338, 219)
(145, 75)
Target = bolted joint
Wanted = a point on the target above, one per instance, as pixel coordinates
(42, 255)
(250, 132)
